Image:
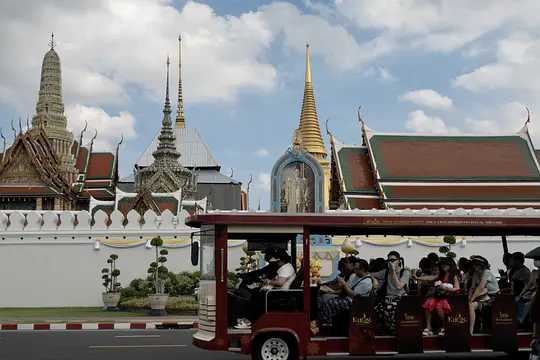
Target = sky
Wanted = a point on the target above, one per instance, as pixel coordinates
(415, 66)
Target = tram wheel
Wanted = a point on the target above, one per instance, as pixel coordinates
(274, 347)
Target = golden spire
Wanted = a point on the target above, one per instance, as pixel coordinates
(310, 131)
(180, 120)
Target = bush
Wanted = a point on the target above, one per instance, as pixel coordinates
(180, 284)
(180, 304)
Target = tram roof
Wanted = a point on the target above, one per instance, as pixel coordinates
(480, 222)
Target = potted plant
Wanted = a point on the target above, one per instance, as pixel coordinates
(111, 295)
(446, 250)
(158, 274)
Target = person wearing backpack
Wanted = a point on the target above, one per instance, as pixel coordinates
(393, 285)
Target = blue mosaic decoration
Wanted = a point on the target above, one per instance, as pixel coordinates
(294, 158)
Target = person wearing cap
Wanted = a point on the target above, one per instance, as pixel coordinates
(484, 288)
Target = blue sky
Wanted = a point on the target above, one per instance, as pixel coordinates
(415, 66)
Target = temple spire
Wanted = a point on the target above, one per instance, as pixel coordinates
(310, 132)
(180, 120)
(166, 150)
(51, 43)
(167, 107)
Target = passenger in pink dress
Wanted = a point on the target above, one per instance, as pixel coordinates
(446, 283)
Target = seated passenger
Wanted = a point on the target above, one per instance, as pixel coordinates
(518, 274)
(392, 286)
(285, 275)
(504, 282)
(526, 295)
(425, 271)
(447, 282)
(535, 315)
(484, 288)
(465, 273)
(285, 272)
(346, 270)
(361, 284)
(269, 271)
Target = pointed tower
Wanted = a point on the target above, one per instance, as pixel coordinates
(165, 174)
(180, 120)
(50, 112)
(309, 132)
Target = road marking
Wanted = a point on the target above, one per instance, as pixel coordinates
(135, 346)
(137, 336)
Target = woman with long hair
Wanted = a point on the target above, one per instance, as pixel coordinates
(446, 283)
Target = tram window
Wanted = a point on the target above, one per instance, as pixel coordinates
(208, 266)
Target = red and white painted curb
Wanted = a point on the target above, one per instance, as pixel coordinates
(101, 326)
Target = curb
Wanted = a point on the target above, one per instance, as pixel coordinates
(101, 326)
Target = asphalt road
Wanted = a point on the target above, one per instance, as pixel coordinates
(123, 345)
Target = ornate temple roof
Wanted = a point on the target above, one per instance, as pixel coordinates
(485, 158)
(195, 153)
(416, 171)
(31, 164)
(310, 131)
(165, 173)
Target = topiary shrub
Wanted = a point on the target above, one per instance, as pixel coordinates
(157, 270)
(110, 274)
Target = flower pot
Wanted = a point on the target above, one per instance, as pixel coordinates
(110, 300)
(157, 304)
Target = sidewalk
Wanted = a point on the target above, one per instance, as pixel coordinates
(88, 319)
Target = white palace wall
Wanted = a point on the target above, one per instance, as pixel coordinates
(55, 258)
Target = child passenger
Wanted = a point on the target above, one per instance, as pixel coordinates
(446, 283)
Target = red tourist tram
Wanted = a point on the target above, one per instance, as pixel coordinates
(284, 332)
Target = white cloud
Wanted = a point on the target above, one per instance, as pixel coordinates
(262, 181)
(333, 42)
(109, 128)
(428, 98)
(381, 73)
(518, 57)
(442, 26)
(505, 118)
(418, 121)
(109, 47)
(262, 152)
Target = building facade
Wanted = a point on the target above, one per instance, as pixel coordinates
(432, 171)
(45, 168)
(300, 179)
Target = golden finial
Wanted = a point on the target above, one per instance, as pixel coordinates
(180, 119)
(310, 132)
(51, 43)
(308, 64)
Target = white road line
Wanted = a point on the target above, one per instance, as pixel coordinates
(135, 346)
(137, 336)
